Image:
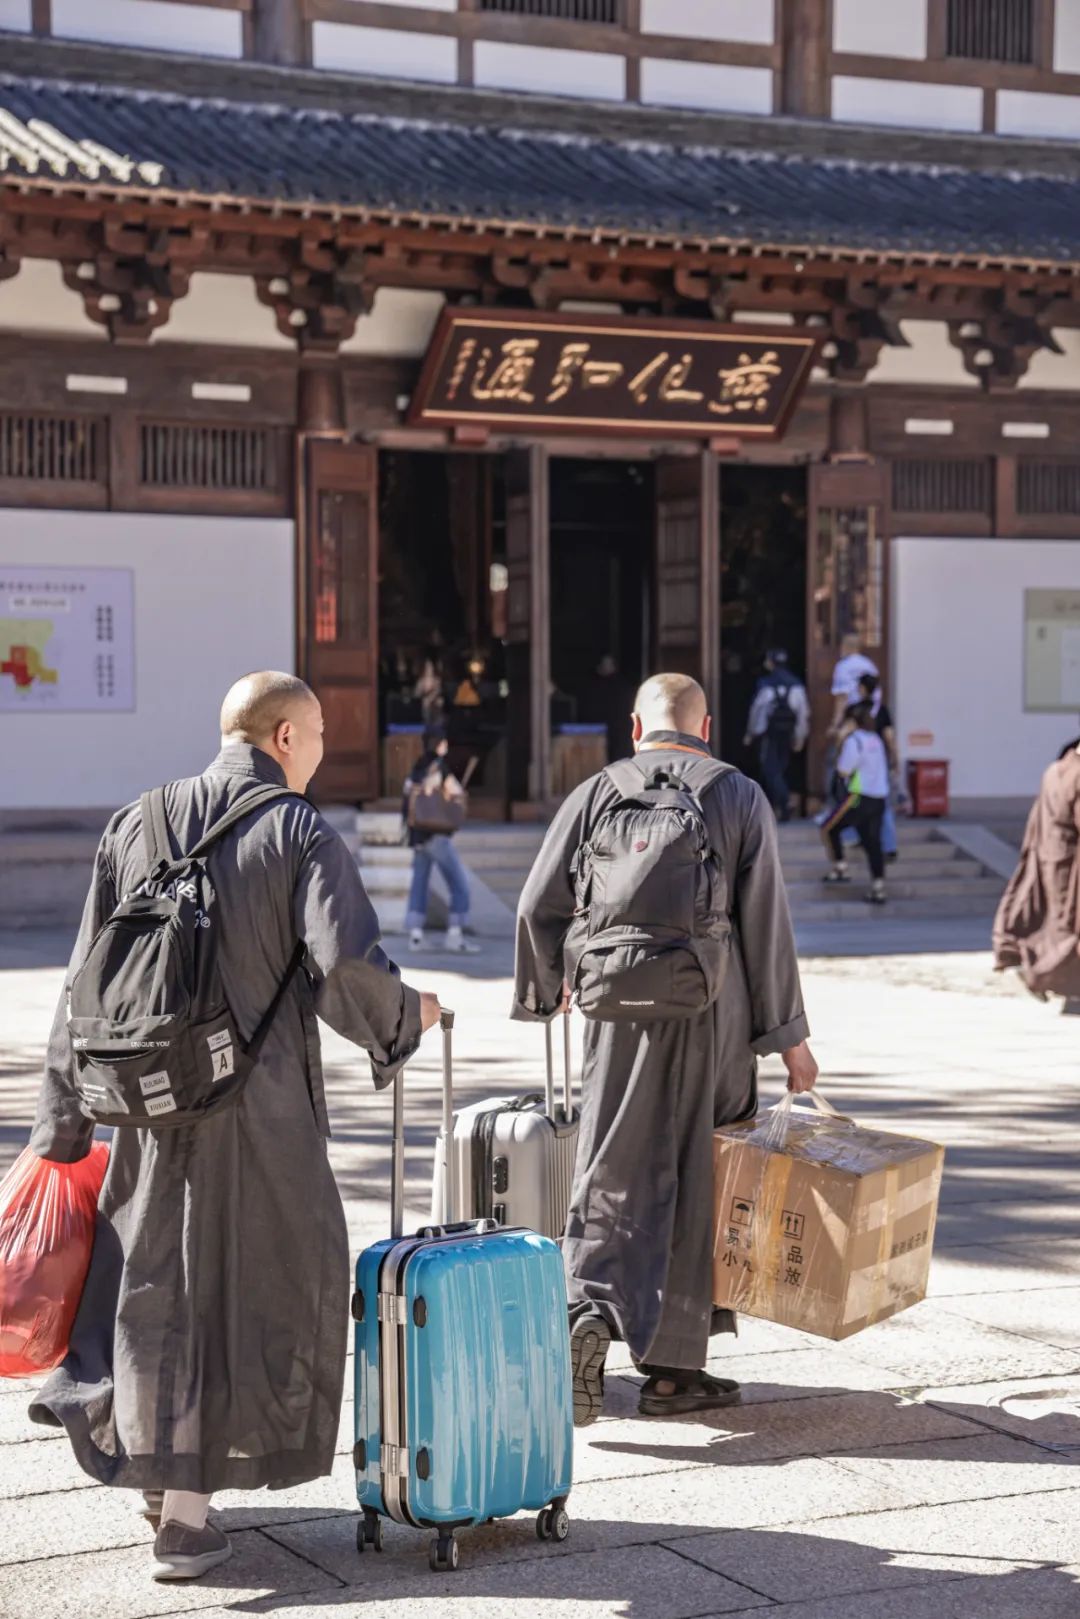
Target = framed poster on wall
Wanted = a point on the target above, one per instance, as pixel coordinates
(67, 639)
(1052, 651)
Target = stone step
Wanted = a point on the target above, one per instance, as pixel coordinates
(829, 910)
(805, 871)
(932, 894)
(933, 850)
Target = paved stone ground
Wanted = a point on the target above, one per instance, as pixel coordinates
(928, 1468)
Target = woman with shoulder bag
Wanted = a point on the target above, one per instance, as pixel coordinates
(433, 809)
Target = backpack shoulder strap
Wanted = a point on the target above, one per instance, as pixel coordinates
(627, 776)
(155, 825)
(155, 830)
(240, 812)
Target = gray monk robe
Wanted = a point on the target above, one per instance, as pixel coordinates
(638, 1245)
(209, 1348)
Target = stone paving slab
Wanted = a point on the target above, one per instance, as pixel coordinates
(640, 1583)
(1049, 1315)
(15, 1425)
(38, 1467)
(968, 1469)
(116, 1583)
(1009, 1221)
(855, 1552)
(986, 1403)
(68, 1522)
(1012, 1267)
(925, 1345)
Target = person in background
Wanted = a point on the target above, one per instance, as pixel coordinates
(849, 670)
(428, 692)
(863, 767)
(779, 724)
(870, 692)
(435, 849)
(1037, 926)
(607, 701)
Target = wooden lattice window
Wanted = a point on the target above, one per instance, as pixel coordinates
(942, 484)
(1046, 488)
(49, 449)
(181, 455)
(596, 11)
(991, 30)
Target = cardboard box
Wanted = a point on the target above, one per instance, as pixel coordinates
(829, 1234)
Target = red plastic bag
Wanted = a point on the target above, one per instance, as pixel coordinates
(47, 1215)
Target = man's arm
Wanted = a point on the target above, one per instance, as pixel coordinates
(758, 718)
(800, 704)
(545, 910)
(358, 990)
(778, 1018)
(62, 1132)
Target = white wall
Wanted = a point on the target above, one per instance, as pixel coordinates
(710, 85)
(593, 74)
(929, 358)
(15, 15)
(748, 21)
(958, 658)
(389, 53)
(160, 25)
(877, 28)
(213, 599)
(906, 106)
(1032, 112)
(1067, 36)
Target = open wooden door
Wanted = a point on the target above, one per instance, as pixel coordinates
(686, 635)
(338, 613)
(847, 582)
(528, 637)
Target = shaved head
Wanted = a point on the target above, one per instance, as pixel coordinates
(671, 703)
(255, 707)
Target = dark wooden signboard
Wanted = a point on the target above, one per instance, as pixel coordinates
(608, 373)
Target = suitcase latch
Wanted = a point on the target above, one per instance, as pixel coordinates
(394, 1461)
(392, 1309)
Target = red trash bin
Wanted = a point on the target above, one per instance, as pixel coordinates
(928, 786)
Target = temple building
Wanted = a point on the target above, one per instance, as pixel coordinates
(475, 357)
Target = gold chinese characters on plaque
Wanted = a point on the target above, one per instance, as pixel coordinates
(561, 373)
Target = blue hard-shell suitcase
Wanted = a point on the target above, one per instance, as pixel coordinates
(464, 1408)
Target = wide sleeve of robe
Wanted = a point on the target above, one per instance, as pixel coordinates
(778, 1018)
(62, 1132)
(358, 990)
(545, 909)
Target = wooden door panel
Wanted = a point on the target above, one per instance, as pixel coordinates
(528, 640)
(686, 634)
(339, 614)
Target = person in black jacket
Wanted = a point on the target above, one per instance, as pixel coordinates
(431, 848)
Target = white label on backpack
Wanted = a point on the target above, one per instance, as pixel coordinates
(224, 1063)
(150, 1084)
(637, 1003)
(161, 1104)
(216, 1041)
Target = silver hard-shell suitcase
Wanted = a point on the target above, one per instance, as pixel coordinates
(514, 1155)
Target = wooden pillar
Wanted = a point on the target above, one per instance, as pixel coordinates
(804, 77)
(528, 641)
(279, 34)
(709, 542)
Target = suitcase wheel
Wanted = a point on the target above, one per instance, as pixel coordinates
(369, 1531)
(443, 1556)
(552, 1523)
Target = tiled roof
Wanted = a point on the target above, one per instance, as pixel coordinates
(98, 138)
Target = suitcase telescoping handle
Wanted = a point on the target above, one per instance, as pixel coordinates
(397, 1175)
(549, 1076)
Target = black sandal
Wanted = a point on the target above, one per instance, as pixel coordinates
(590, 1340)
(702, 1394)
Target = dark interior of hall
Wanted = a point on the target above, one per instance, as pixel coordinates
(762, 586)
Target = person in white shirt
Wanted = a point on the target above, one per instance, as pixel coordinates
(863, 766)
(850, 668)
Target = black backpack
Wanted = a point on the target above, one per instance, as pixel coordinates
(154, 1041)
(781, 720)
(651, 934)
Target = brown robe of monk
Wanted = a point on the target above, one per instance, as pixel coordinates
(1037, 927)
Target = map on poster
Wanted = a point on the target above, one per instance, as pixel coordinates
(67, 639)
(1052, 651)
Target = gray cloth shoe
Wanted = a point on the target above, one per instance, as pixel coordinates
(183, 1553)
